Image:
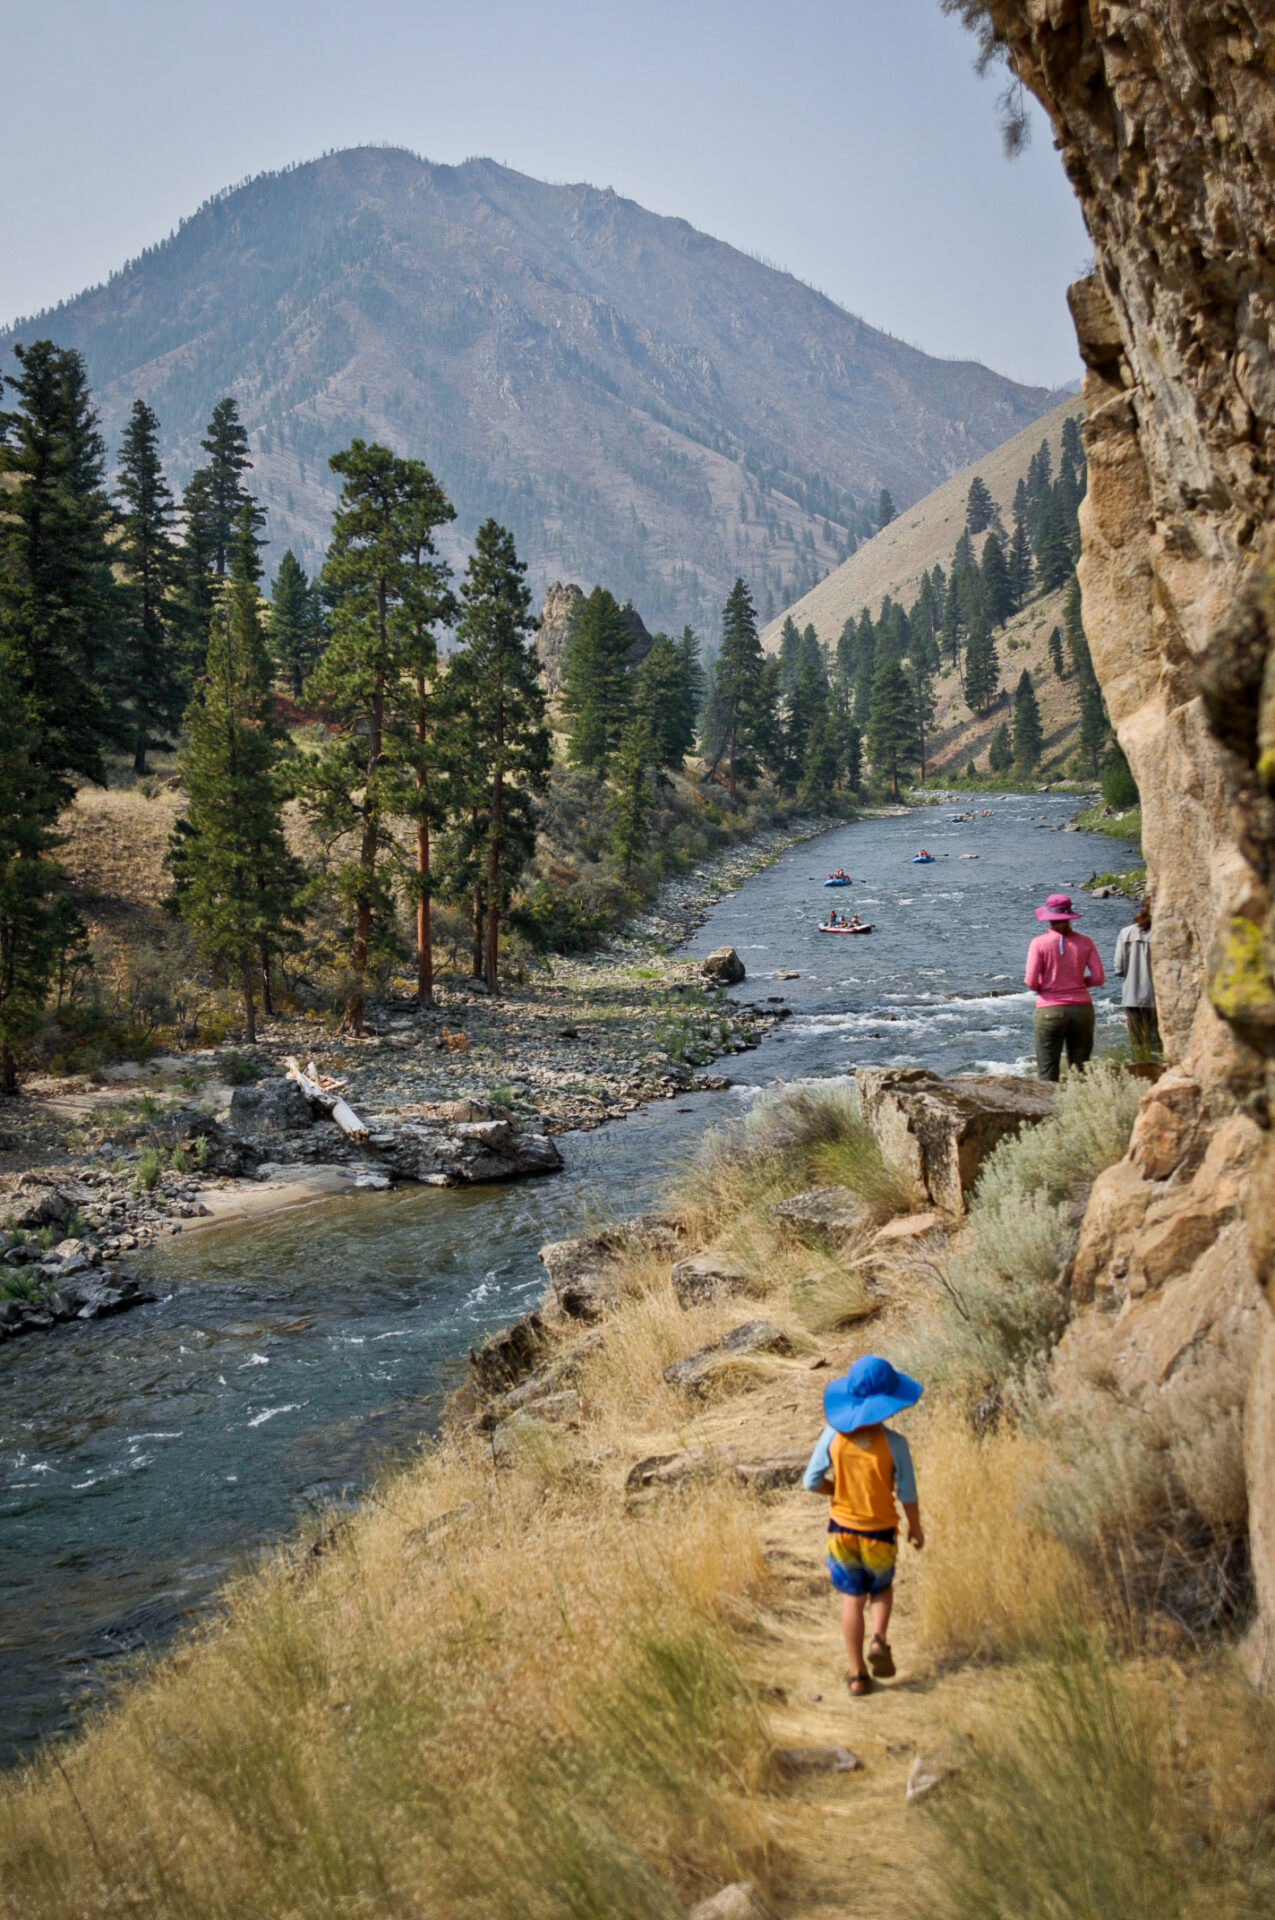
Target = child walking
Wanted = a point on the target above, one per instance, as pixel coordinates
(865, 1468)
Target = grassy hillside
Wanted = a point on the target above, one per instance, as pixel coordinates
(922, 537)
(640, 403)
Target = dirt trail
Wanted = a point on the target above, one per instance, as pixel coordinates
(848, 1841)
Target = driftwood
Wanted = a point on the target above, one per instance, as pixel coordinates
(327, 1097)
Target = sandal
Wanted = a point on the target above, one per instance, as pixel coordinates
(880, 1658)
(859, 1684)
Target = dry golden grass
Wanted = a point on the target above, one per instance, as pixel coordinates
(993, 1582)
(530, 1711)
(116, 842)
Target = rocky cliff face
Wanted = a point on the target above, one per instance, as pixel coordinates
(1164, 114)
(555, 620)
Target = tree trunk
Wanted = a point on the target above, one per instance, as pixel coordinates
(8, 1074)
(249, 1007)
(730, 780)
(368, 848)
(492, 969)
(267, 991)
(476, 915)
(139, 752)
(424, 927)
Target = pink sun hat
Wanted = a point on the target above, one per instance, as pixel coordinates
(1057, 907)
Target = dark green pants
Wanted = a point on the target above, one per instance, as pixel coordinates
(1071, 1027)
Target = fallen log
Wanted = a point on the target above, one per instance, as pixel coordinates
(327, 1098)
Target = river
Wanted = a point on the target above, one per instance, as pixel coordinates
(144, 1458)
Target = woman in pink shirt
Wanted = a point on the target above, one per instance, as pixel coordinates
(1062, 965)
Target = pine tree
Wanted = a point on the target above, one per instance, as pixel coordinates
(866, 652)
(236, 884)
(212, 502)
(821, 765)
(1056, 652)
(923, 706)
(789, 655)
(387, 588)
(153, 675)
(634, 795)
(980, 508)
(36, 918)
(952, 620)
(1019, 565)
(997, 596)
(1038, 492)
(223, 491)
(886, 510)
(847, 653)
(1054, 559)
(1029, 735)
(1093, 715)
(59, 605)
(660, 701)
(982, 667)
(892, 734)
(1071, 453)
(295, 637)
(740, 687)
(597, 681)
(694, 685)
(807, 705)
(1000, 755)
(494, 679)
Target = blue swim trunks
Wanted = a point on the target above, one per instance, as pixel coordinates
(861, 1562)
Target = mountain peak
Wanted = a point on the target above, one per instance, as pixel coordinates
(642, 404)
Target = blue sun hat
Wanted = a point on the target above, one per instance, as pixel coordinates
(871, 1391)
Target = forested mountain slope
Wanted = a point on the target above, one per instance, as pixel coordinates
(891, 564)
(642, 404)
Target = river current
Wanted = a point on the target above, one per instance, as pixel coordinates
(144, 1458)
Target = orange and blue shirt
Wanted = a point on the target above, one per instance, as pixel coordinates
(868, 1475)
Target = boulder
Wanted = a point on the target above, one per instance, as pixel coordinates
(36, 1200)
(939, 1132)
(772, 1473)
(723, 967)
(825, 1213)
(271, 1106)
(584, 1273)
(707, 1276)
(754, 1337)
(508, 1355)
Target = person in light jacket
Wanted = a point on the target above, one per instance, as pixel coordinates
(1133, 964)
(1062, 965)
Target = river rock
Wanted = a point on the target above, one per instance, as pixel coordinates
(832, 1213)
(743, 1342)
(724, 967)
(707, 1276)
(939, 1132)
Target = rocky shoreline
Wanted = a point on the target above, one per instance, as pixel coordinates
(471, 1090)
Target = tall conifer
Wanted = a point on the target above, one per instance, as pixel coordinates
(60, 607)
(494, 679)
(1029, 735)
(740, 687)
(236, 884)
(295, 637)
(153, 672)
(597, 680)
(892, 735)
(387, 587)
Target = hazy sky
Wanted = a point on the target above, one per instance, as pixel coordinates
(847, 140)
